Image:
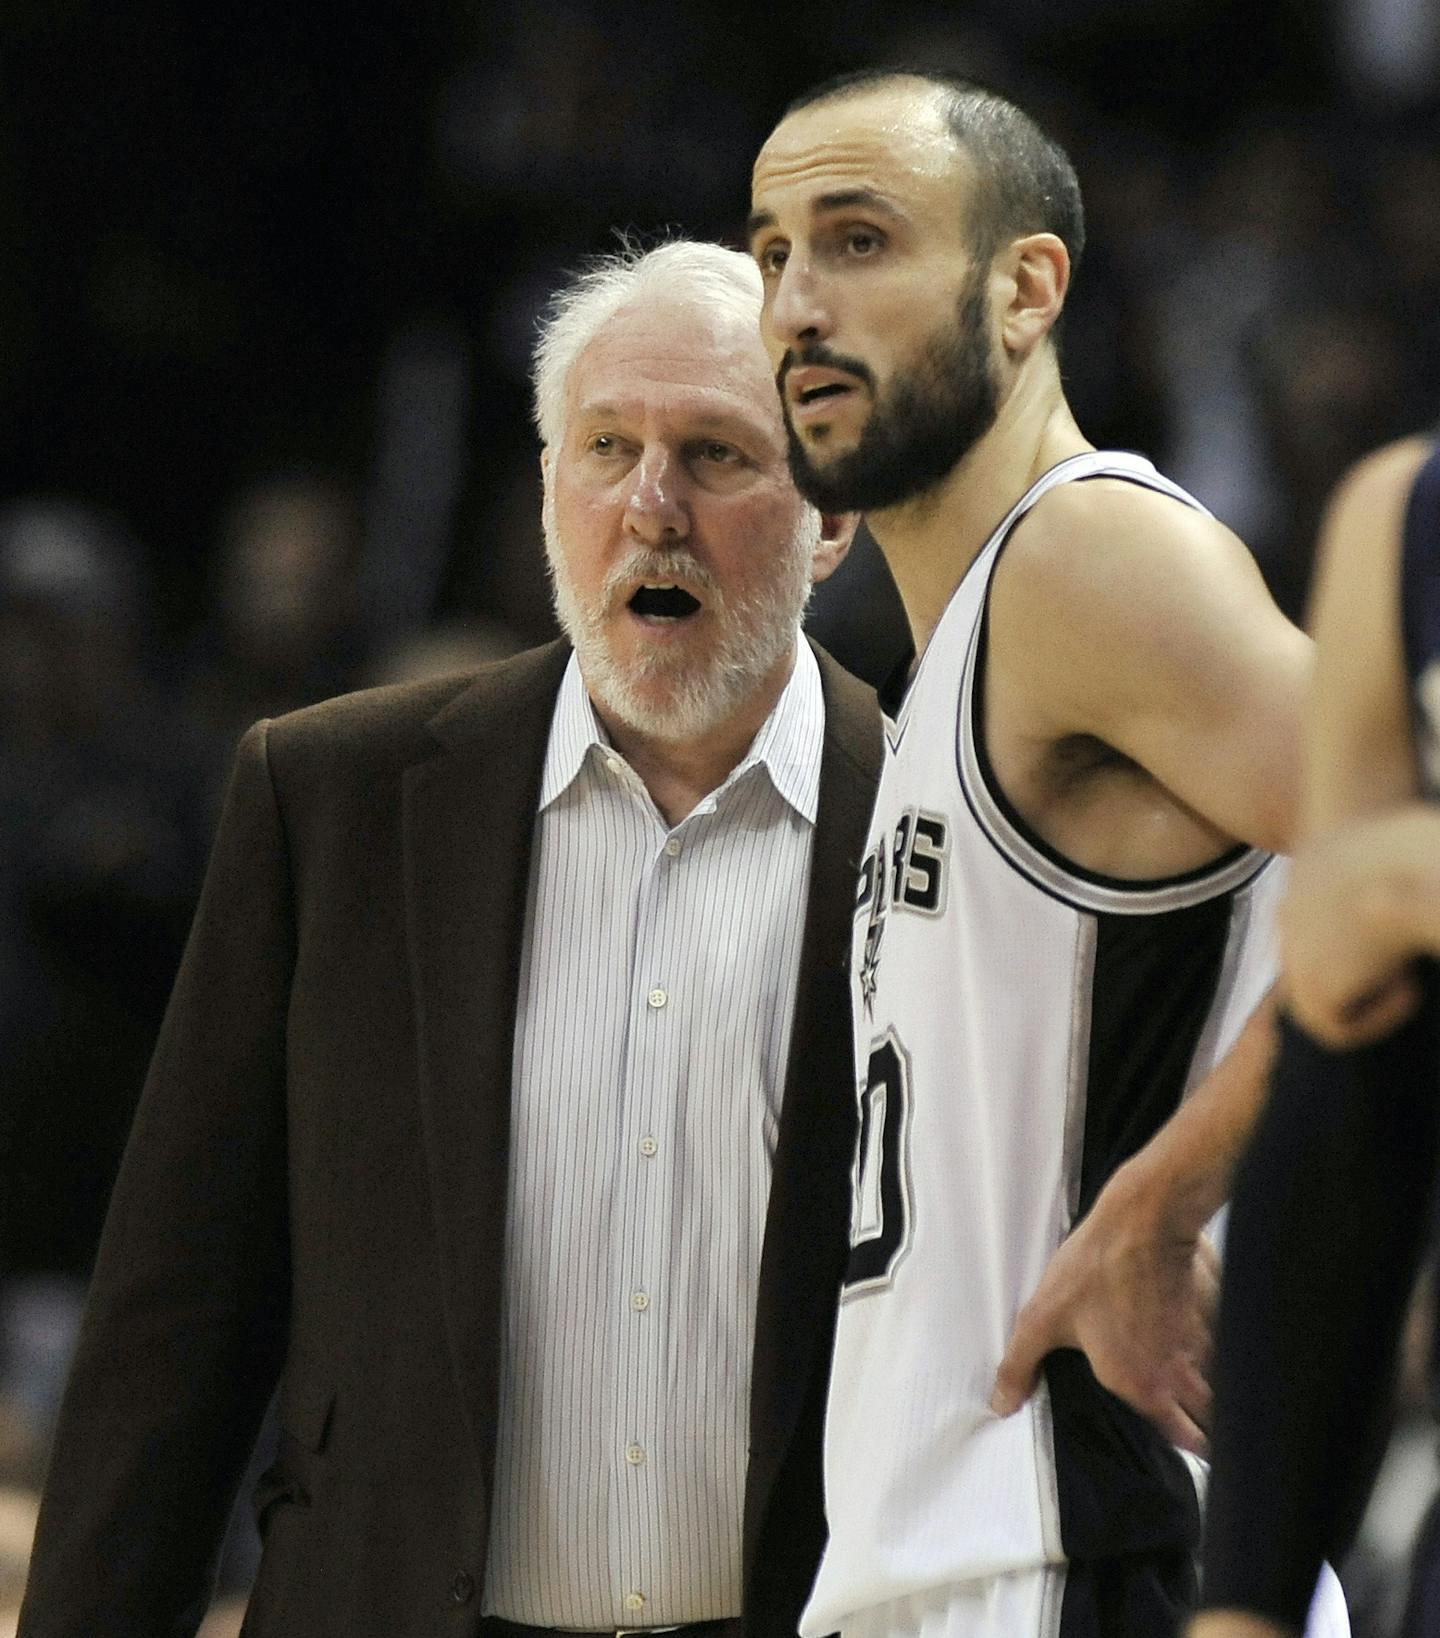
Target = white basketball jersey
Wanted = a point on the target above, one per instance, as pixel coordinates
(1022, 1026)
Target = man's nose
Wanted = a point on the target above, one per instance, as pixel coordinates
(655, 507)
(799, 310)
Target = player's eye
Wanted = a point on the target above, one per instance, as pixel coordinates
(863, 242)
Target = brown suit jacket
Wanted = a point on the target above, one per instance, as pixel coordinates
(315, 1186)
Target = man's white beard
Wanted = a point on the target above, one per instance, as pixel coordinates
(678, 695)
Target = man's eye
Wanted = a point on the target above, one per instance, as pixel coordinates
(861, 242)
(773, 258)
(601, 444)
(719, 454)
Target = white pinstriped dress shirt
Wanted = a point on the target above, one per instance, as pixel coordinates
(657, 988)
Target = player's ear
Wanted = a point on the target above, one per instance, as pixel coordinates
(1036, 271)
(837, 530)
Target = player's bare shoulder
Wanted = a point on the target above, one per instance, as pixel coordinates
(1112, 550)
(1112, 594)
(1140, 680)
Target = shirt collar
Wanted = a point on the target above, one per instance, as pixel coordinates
(573, 730)
(792, 737)
(788, 746)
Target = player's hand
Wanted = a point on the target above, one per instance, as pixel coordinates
(1137, 1295)
(1346, 969)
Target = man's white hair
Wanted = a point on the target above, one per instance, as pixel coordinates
(704, 274)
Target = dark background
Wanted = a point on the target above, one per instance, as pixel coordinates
(268, 280)
(248, 240)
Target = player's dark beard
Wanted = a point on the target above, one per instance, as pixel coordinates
(919, 431)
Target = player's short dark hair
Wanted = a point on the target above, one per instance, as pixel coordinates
(1027, 183)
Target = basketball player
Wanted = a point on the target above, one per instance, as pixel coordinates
(1346, 1155)
(1059, 925)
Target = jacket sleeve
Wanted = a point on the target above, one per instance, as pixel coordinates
(1330, 1217)
(187, 1315)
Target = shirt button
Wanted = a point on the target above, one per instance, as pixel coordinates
(634, 1601)
(657, 998)
(462, 1588)
(613, 764)
(635, 1454)
(674, 846)
(639, 1301)
(648, 1147)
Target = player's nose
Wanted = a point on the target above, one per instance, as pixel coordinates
(798, 312)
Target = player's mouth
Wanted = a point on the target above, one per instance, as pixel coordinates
(814, 395)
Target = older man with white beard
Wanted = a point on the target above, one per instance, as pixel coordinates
(502, 1114)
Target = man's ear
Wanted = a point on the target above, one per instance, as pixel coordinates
(1037, 269)
(837, 530)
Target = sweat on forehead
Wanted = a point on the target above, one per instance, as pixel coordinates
(680, 274)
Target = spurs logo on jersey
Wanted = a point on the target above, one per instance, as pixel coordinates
(906, 869)
(1019, 1027)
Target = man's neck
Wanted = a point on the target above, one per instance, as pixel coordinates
(679, 774)
(931, 541)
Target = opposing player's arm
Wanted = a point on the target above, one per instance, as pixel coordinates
(1131, 618)
(1349, 1137)
(1359, 760)
(1364, 897)
(1237, 1624)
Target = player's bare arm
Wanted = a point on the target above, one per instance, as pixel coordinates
(1144, 694)
(1143, 703)
(1362, 900)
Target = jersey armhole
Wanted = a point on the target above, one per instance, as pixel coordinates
(1027, 852)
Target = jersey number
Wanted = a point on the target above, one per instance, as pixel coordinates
(880, 1178)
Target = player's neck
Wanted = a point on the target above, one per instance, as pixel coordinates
(931, 541)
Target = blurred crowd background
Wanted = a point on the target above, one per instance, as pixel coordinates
(268, 279)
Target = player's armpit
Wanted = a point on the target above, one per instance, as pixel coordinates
(1123, 614)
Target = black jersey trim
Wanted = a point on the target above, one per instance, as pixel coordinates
(1156, 988)
(1156, 984)
(1034, 858)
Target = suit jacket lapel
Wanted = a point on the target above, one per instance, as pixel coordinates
(469, 818)
(806, 1227)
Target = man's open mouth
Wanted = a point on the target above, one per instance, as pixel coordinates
(660, 602)
(810, 386)
(813, 395)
